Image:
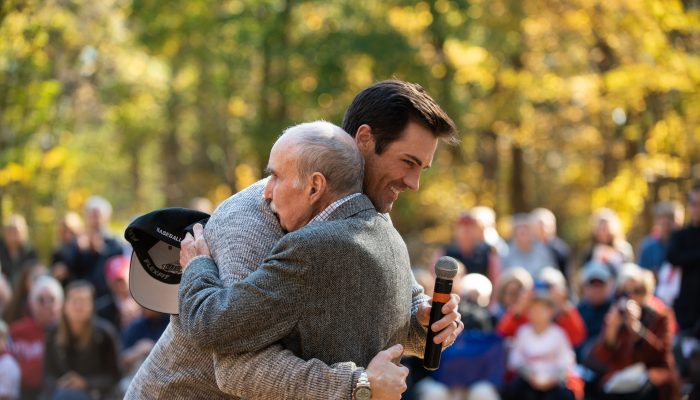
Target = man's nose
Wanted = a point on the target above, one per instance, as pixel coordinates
(412, 180)
(267, 193)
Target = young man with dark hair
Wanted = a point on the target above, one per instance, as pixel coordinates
(396, 127)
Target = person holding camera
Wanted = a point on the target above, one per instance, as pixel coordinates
(636, 345)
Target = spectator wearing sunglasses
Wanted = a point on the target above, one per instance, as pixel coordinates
(636, 334)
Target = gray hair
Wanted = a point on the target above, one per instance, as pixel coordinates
(101, 204)
(46, 282)
(326, 148)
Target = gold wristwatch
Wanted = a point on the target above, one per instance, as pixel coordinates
(362, 390)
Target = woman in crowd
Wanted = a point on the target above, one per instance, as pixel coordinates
(608, 243)
(510, 287)
(18, 307)
(81, 360)
(637, 334)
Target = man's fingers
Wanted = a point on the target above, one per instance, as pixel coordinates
(394, 352)
(452, 304)
(198, 229)
(188, 237)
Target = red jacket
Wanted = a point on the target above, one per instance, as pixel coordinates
(652, 348)
(569, 320)
(28, 349)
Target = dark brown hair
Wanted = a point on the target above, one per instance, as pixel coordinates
(388, 106)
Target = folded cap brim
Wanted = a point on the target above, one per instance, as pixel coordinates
(152, 293)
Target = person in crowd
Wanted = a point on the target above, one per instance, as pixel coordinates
(119, 308)
(69, 230)
(475, 291)
(92, 249)
(425, 279)
(526, 251)
(597, 297)
(631, 271)
(15, 249)
(511, 286)
(140, 336)
(684, 251)
(634, 333)
(18, 307)
(10, 374)
(609, 245)
(470, 248)
(565, 315)
(28, 333)
(5, 294)
(668, 217)
(541, 355)
(487, 218)
(81, 360)
(545, 227)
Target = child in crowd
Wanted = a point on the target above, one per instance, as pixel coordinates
(542, 356)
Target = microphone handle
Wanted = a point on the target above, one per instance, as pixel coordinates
(441, 295)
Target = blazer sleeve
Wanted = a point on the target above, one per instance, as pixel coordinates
(275, 373)
(249, 315)
(415, 342)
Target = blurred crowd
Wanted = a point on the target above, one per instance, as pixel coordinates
(539, 323)
(70, 329)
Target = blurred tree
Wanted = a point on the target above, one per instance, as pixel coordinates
(571, 105)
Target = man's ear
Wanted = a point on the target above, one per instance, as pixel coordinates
(318, 186)
(364, 139)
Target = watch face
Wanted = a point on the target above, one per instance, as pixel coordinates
(363, 393)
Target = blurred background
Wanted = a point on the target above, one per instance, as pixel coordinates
(570, 105)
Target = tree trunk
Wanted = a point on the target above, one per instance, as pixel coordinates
(517, 183)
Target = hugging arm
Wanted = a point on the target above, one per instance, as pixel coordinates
(247, 316)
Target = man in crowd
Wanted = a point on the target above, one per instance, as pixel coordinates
(668, 216)
(684, 252)
(90, 251)
(526, 251)
(545, 227)
(470, 248)
(396, 126)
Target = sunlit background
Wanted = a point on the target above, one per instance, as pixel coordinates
(567, 104)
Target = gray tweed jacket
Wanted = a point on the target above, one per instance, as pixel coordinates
(336, 290)
(241, 233)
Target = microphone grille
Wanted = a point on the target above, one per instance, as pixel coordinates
(446, 268)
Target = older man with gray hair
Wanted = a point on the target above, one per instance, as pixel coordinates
(338, 287)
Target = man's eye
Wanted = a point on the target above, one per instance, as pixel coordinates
(409, 163)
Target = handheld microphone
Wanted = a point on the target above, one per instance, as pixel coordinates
(445, 269)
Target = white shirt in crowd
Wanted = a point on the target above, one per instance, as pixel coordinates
(545, 357)
(9, 378)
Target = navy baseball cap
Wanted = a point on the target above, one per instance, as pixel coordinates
(155, 273)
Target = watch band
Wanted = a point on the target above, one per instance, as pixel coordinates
(362, 390)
